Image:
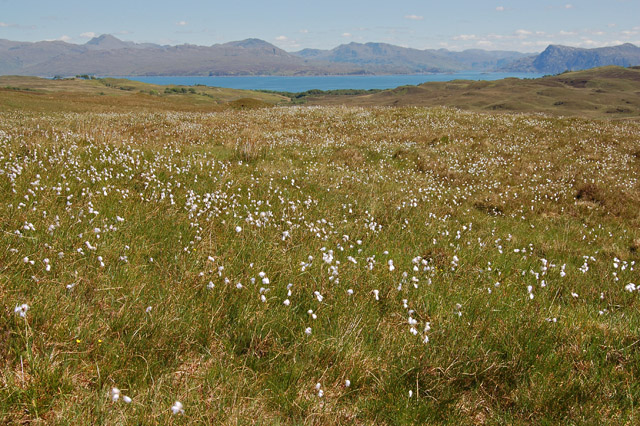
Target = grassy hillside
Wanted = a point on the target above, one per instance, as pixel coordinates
(109, 94)
(316, 265)
(608, 92)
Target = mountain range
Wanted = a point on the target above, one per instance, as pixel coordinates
(107, 55)
(556, 59)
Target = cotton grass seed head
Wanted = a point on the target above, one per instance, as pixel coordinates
(177, 408)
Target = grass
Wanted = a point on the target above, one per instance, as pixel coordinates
(607, 92)
(111, 94)
(149, 219)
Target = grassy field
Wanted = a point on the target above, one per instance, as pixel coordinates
(607, 92)
(110, 95)
(314, 265)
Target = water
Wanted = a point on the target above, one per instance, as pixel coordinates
(302, 84)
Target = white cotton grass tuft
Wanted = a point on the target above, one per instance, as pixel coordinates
(115, 394)
(177, 408)
(391, 265)
(21, 310)
(347, 383)
(238, 229)
(307, 331)
(126, 399)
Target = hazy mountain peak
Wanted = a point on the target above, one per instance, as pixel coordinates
(252, 43)
(558, 58)
(107, 42)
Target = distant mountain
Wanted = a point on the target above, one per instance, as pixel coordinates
(107, 55)
(484, 60)
(387, 57)
(556, 59)
(107, 42)
(16, 56)
(382, 57)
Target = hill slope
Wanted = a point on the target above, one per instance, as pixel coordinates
(608, 92)
(19, 93)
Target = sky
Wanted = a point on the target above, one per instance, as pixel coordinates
(526, 26)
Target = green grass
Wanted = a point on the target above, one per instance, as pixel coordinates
(500, 193)
(111, 94)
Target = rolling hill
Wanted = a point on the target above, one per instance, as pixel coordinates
(607, 92)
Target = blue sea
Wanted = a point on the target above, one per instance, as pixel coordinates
(302, 84)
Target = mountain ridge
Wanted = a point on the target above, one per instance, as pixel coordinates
(107, 55)
(558, 58)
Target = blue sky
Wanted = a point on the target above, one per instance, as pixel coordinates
(294, 24)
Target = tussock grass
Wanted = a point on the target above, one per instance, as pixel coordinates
(513, 241)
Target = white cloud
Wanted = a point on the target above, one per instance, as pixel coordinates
(3, 24)
(568, 6)
(304, 31)
(567, 33)
(64, 38)
(465, 37)
(590, 43)
(414, 17)
(500, 8)
(286, 43)
(539, 43)
(182, 23)
(89, 34)
(523, 33)
(347, 35)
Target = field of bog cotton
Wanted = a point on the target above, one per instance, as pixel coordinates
(318, 265)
